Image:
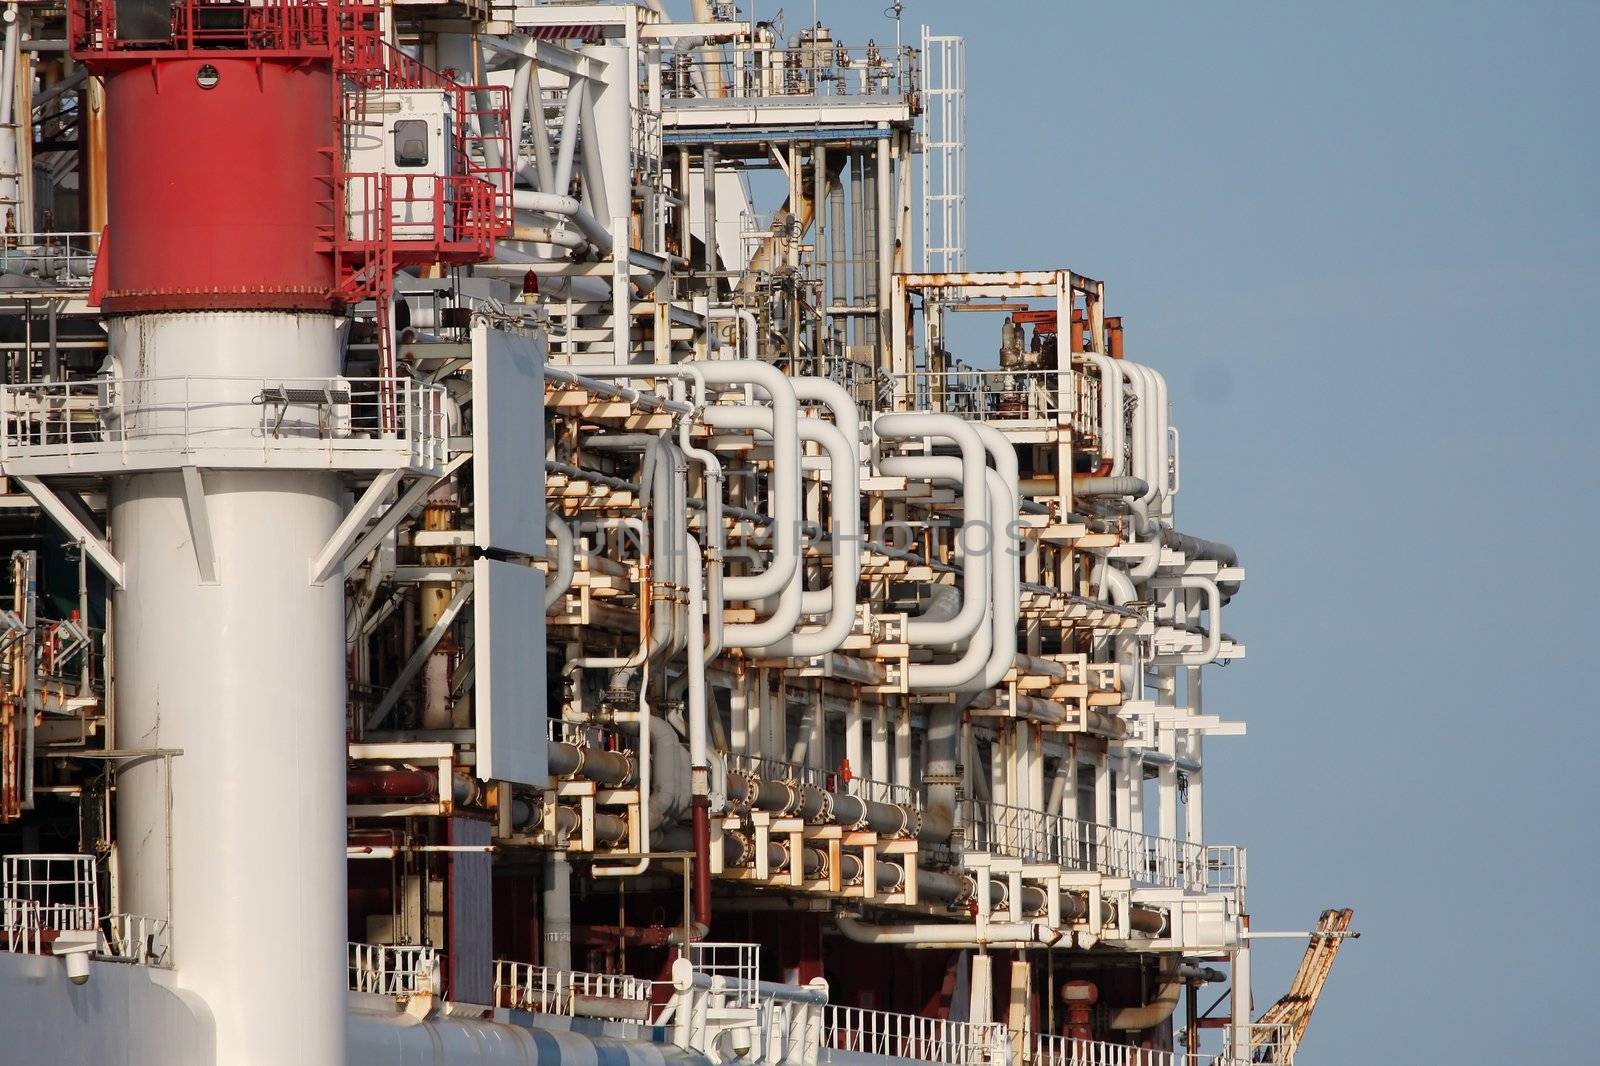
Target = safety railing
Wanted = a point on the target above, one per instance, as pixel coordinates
(810, 68)
(1059, 397)
(1070, 1051)
(264, 27)
(423, 218)
(739, 964)
(1224, 868)
(572, 993)
(1116, 852)
(1268, 1042)
(911, 1036)
(135, 938)
(401, 970)
(358, 422)
(31, 925)
(65, 258)
(779, 770)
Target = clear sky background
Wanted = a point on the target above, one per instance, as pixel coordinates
(1360, 239)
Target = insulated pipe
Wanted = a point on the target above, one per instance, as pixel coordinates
(990, 654)
(565, 561)
(594, 177)
(1213, 644)
(551, 203)
(1124, 485)
(367, 785)
(713, 478)
(1112, 444)
(614, 769)
(1157, 1011)
(748, 335)
(567, 149)
(974, 562)
(845, 575)
(887, 819)
(1007, 539)
(555, 919)
(928, 934)
(786, 459)
(699, 739)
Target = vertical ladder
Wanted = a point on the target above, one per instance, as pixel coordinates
(944, 160)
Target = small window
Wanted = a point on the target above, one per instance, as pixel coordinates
(411, 143)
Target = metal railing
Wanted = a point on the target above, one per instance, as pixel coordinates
(135, 938)
(525, 986)
(1060, 397)
(911, 1036)
(1224, 868)
(739, 964)
(809, 69)
(1111, 850)
(1069, 1051)
(67, 258)
(394, 418)
(394, 969)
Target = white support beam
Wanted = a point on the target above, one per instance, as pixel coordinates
(331, 558)
(194, 506)
(73, 517)
(396, 514)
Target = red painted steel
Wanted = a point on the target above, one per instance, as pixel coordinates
(220, 197)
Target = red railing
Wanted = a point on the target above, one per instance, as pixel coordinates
(298, 28)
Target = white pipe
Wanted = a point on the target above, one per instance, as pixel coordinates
(713, 479)
(974, 563)
(576, 87)
(528, 99)
(845, 569)
(562, 534)
(699, 742)
(784, 563)
(747, 335)
(943, 933)
(1006, 540)
(10, 187)
(1111, 422)
(594, 179)
(991, 652)
(567, 207)
(1213, 644)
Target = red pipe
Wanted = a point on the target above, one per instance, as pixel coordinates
(701, 828)
(366, 785)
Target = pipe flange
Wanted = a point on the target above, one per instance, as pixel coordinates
(745, 843)
(742, 789)
(825, 815)
(913, 821)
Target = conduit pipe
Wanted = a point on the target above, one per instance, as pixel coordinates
(1155, 1012)
(927, 934)
(1112, 444)
(551, 203)
(845, 574)
(699, 736)
(565, 560)
(786, 460)
(1124, 485)
(1208, 652)
(975, 560)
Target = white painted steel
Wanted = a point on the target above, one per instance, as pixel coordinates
(244, 848)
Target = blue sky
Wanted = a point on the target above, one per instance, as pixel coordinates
(1360, 240)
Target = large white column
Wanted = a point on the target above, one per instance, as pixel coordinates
(246, 676)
